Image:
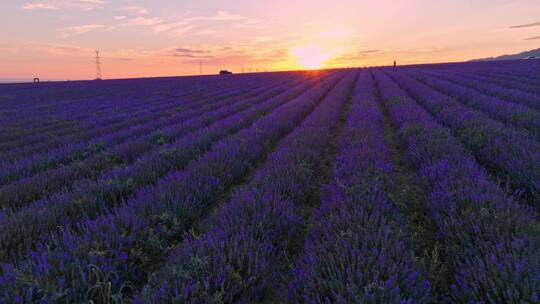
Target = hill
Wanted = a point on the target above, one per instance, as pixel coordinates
(532, 54)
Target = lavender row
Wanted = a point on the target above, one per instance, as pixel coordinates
(29, 98)
(76, 152)
(25, 120)
(127, 241)
(509, 113)
(510, 84)
(245, 250)
(18, 194)
(485, 87)
(81, 108)
(100, 127)
(499, 79)
(524, 70)
(358, 251)
(520, 70)
(114, 95)
(49, 122)
(510, 155)
(32, 224)
(50, 129)
(107, 124)
(42, 141)
(515, 75)
(519, 73)
(490, 240)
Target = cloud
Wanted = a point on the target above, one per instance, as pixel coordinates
(143, 21)
(190, 51)
(182, 30)
(369, 51)
(223, 16)
(525, 25)
(198, 57)
(248, 56)
(125, 21)
(35, 6)
(95, 2)
(220, 16)
(167, 26)
(134, 10)
(84, 5)
(188, 23)
(70, 31)
(533, 38)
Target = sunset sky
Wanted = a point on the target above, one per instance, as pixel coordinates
(55, 39)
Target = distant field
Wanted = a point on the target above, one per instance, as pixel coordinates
(415, 184)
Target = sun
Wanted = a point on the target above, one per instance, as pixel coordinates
(311, 56)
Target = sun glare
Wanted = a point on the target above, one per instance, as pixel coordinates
(311, 56)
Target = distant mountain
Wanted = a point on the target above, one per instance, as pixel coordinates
(532, 54)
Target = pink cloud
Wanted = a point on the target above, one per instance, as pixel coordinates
(35, 6)
(84, 5)
(135, 10)
(70, 31)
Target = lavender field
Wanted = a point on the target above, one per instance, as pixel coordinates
(414, 184)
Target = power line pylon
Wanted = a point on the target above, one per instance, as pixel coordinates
(98, 65)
